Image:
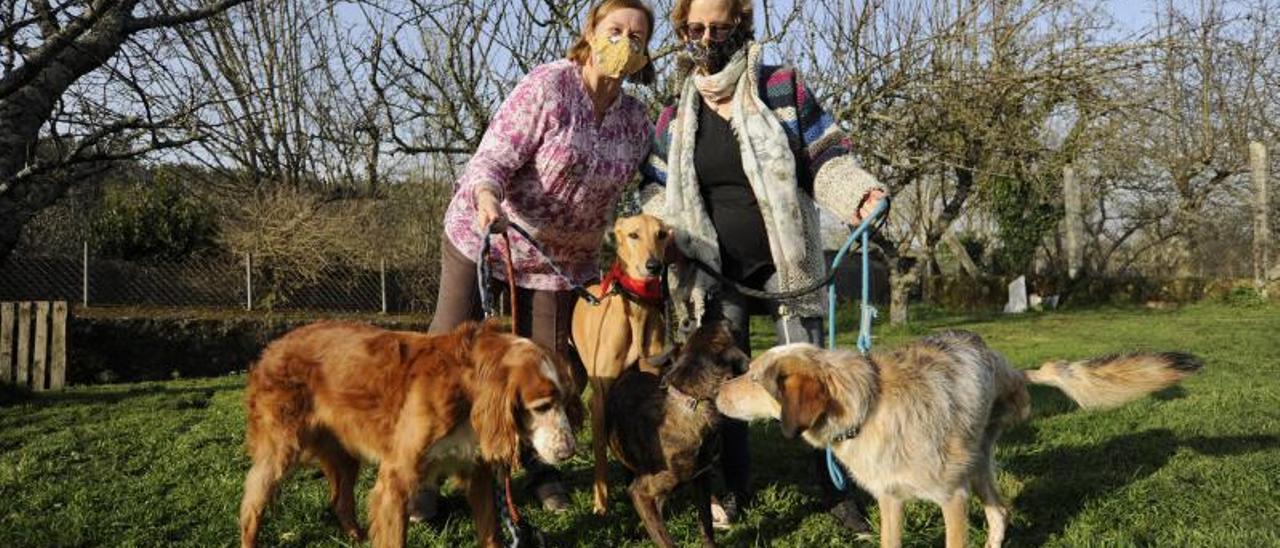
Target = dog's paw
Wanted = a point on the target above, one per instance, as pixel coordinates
(599, 501)
(599, 507)
(720, 519)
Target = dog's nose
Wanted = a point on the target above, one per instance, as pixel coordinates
(566, 451)
(654, 267)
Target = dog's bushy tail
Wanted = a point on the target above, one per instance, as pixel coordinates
(1112, 381)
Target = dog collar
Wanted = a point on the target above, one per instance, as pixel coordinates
(846, 435)
(644, 290)
(683, 399)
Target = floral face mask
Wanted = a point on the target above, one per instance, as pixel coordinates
(712, 55)
(617, 56)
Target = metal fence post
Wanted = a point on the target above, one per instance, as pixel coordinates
(248, 281)
(84, 276)
(383, 270)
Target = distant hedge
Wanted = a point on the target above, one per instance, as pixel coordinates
(116, 346)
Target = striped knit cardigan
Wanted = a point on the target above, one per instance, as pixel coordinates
(825, 170)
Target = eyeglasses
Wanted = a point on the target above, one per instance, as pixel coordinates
(719, 33)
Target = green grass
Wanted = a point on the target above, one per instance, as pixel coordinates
(161, 464)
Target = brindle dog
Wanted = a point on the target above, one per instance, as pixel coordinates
(665, 429)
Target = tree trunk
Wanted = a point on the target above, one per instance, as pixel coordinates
(900, 283)
(27, 100)
(11, 222)
(1184, 250)
(962, 255)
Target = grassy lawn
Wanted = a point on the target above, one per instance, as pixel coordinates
(161, 464)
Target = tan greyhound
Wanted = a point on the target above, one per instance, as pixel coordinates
(625, 328)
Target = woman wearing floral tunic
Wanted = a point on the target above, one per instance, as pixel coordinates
(554, 160)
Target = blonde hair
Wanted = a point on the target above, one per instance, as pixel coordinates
(743, 11)
(580, 51)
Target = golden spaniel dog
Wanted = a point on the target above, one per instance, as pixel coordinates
(422, 406)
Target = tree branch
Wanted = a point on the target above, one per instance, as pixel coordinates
(190, 16)
(51, 47)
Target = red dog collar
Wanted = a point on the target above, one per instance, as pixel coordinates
(648, 290)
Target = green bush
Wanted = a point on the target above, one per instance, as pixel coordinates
(154, 217)
(107, 346)
(1243, 296)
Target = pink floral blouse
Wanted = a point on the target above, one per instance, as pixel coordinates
(558, 172)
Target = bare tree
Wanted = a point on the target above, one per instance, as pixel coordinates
(1208, 77)
(74, 95)
(292, 100)
(440, 68)
(950, 102)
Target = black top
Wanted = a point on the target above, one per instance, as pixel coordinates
(744, 244)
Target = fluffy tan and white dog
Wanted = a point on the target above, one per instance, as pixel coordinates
(921, 422)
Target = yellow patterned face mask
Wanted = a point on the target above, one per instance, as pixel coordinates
(616, 56)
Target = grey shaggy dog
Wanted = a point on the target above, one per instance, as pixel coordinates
(921, 422)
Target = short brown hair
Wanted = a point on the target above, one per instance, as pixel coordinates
(743, 11)
(580, 51)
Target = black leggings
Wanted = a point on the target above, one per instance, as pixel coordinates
(735, 460)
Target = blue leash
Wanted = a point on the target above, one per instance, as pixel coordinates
(863, 234)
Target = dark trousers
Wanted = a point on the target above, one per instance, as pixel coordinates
(734, 453)
(543, 316)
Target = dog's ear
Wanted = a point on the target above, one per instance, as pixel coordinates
(737, 360)
(668, 355)
(804, 399)
(493, 413)
(570, 391)
(618, 236)
(671, 253)
(741, 362)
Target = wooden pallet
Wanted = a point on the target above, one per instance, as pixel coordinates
(33, 344)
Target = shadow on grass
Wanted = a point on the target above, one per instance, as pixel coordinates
(1175, 392)
(184, 398)
(1045, 402)
(1065, 480)
(785, 478)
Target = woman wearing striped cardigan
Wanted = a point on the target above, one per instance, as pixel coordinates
(739, 165)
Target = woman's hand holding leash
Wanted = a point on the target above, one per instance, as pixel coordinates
(489, 215)
(868, 205)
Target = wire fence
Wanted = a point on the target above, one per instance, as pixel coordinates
(218, 282)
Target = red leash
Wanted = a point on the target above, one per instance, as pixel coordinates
(511, 291)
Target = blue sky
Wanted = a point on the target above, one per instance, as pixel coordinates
(1131, 15)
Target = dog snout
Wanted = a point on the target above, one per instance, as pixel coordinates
(653, 267)
(554, 440)
(724, 403)
(557, 450)
(566, 450)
